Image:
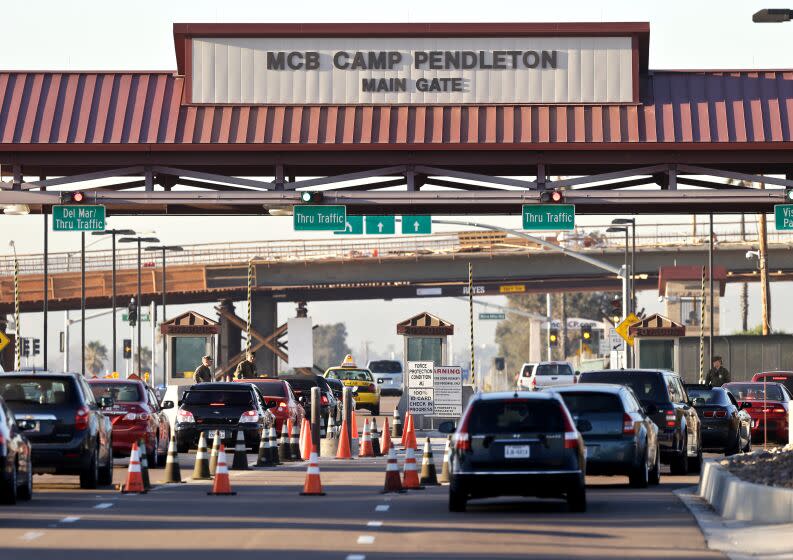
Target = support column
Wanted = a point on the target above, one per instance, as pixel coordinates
(230, 336)
(264, 319)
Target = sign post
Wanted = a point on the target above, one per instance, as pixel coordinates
(548, 217)
(78, 217)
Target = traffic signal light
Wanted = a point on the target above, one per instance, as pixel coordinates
(586, 333)
(552, 196)
(75, 197)
(499, 363)
(789, 195)
(36, 347)
(26, 347)
(616, 309)
(127, 348)
(132, 313)
(311, 197)
(553, 336)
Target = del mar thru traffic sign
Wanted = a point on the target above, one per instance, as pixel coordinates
(307, 217)
(548, 217)
(784, 216)
(82, 217)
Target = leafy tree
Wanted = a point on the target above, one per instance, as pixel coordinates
(330, 345)
(95, 357)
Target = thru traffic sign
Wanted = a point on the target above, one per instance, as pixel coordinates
(548, 217)
(353, 226)
(79, 217)
(380, 225)
(319, 218)
(416, 225)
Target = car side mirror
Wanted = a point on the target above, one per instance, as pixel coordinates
(447, 427)
(745, 405)
(650, 408)
(584, 425)
(106, 402)
(167, 404)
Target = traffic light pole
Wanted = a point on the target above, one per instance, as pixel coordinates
(82, 303)
(113, 299)
(137, 307)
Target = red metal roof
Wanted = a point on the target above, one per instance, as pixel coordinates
(695, 109)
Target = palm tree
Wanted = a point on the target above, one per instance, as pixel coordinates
(95, 356)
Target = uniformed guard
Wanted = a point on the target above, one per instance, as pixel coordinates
(718, 374)
(246, 369)
(203, 373)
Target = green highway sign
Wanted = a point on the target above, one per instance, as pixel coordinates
(80, 217)
(352, 226)
(144, 317)
(416, 225)
(309, 217)
(380, 225)
(784, 216)
(548, 217)
(493, 316)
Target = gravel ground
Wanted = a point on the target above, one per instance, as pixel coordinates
(772, 467)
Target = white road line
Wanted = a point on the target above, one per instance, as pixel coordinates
(375, 524)
(70, 519)
(382, 507)
(103, 505)
(355, 557)
(31, 535)
(366, 539)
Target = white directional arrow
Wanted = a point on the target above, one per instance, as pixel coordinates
(347, 226)
(380, 227)
(416, 225)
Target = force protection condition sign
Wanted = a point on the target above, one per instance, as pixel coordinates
(420, 388)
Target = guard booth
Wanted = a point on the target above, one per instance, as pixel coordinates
(657, 342)
(426, 338)
(188, 337)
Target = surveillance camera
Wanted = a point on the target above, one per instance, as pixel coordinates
(751, 254)
(660, 299)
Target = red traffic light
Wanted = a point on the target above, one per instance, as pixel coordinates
(556, 196)
(73, 197)
(551, 196)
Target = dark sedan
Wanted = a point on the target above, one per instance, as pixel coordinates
(16, 465)
(726, 426)
(620, 438)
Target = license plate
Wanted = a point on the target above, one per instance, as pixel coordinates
(516, 452)
(212, 434)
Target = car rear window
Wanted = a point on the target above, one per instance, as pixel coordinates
(272, 389)
(708, 396)
(516, 416)
(350, 375)
(218, 398)
(649, 387)
(553, 369)
(754, 391)
(119, 392)
(385, 366)
(41, 390)
(300, 385)
(590, 402)
(786, 380)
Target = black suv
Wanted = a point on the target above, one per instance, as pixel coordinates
(224, 408)
(301, 387)
(69, 433)
(664, 398)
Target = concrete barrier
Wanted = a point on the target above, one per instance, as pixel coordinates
(733, 498)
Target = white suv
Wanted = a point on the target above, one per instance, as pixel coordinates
(388, 376)
(549, 374)
(524, 376)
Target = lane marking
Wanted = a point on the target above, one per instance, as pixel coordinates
(382, 507)
(375, 524)
(104, 505)
(366, 539)
(70, 519)
(355, 557)
(31, 535)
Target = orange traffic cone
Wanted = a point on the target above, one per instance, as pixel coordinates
(385, 441)
(410, 476)
(410, 440)
(354, 426)
(392, 482)
(366, 442)
(134, 484)
(313, 484)
(405, 429)
(222, 485)
(308, 444)
(343, 451)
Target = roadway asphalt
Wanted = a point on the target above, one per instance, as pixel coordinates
(353, 521)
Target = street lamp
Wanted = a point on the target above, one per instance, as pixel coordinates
(139, 239)
(163, 248)
(625, 283)
(772, 16)
(632, 222)
(114, 233)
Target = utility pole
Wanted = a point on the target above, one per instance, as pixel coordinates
(762, 232)
(548, 330)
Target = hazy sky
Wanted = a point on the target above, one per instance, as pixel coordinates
(78, 35)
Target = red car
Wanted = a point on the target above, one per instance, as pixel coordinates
(783, 377)
(769, 404)
(136, 414)
(278, 393)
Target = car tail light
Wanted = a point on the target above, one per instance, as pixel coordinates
(570, 433)
(628, 426)
(81, 418)
(533, 384)
(249, 416)
(462, 440)
(720, 414)
(281, 404)
(779, 410)
(708, 414)
(671, 418)
(133, 416)
(185, 416)
(324, 399)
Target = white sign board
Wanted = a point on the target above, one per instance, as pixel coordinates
(420, 401)
(406, 70)
(420, 388)
(301, 342)
(448, 389)
(615, 341)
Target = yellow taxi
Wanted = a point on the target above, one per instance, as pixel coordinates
(366, 393)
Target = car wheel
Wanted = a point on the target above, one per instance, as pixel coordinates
(8, 488)
(90, 475)
(151, 457)
(26, 492)
(163, 456)
(695, 463)
(375, 410)
(679, 464)
(576, 497)
(458, 499)
(655, 474)
(106, 473)
(734, 447)
(640, 475)
(748, 447)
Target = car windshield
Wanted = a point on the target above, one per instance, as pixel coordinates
(516, 416)
(754, 391)
(385, 366)
(350, 375)
(271, 389)
(648, 386)
(786, 380)
(218, 398)
(706, 396)
(553, 369)
(119, 392)
(38, 391)
(591, 402)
